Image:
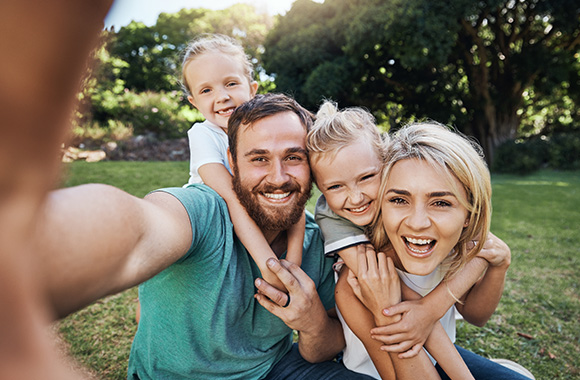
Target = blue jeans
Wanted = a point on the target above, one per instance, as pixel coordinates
(483, 369)
(293, 367)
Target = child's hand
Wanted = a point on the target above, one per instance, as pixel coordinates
(409, 334)
(495, 251)
(377, 284)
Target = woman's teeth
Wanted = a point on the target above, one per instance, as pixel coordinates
(419, 246)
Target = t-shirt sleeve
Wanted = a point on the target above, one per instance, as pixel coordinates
(204, 148)
(338, 232)
(210, 224)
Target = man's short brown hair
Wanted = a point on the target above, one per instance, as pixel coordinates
(262, 106)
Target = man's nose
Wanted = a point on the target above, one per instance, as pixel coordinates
(278, 173)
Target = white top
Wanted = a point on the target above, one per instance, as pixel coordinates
(208, 144)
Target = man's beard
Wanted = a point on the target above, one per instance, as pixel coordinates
(280, 218)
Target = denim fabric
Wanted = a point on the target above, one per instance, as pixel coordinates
(483, 369)
(293, 367)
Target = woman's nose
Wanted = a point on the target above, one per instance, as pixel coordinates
(418, 219)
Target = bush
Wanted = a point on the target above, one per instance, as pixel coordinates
(560, 151)
(113, 116)
(564, 152)
(519, 157)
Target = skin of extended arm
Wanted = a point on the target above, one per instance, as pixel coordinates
(217, 177)
(96, 240)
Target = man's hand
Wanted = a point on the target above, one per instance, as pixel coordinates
(301, 309)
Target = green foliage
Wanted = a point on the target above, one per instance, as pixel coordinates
(466, 63)
(536, 215)
(560, 151)
(134, 84)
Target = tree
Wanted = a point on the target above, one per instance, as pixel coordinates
(465, 62)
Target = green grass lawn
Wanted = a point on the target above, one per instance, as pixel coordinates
(536, 324)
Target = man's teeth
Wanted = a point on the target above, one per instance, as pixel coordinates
(418, 241)
(276, 196)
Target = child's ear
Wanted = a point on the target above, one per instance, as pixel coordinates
(190, 99)
(253, 88)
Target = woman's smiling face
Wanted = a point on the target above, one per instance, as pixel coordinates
(422, 214)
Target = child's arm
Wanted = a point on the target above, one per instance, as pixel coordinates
(296, 241)
(419, 315)
(378, 286)
(217, 177)
(482, 299)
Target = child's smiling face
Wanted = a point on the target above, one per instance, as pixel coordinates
(350, 181)
(218, 85)
(422, 214)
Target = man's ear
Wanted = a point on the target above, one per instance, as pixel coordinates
(190, 99)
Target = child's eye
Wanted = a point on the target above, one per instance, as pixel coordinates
(333, 187)
(367, 177)
(231, 84)
(205, 91)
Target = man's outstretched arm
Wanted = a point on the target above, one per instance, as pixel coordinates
(96, 240)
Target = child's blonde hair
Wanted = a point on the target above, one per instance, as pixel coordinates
(454, 156)
(205, 43)
(334, 129)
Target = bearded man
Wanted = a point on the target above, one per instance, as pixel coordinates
(201, 315)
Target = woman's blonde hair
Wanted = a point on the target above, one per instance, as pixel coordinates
(220, 43)
(454, 156)
(334, 129)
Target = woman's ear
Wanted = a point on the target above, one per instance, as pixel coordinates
(466, 223)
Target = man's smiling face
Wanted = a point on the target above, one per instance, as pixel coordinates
(271, 171)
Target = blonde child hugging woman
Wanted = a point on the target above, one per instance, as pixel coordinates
(217, 78)
(347, 153)
(435, 201)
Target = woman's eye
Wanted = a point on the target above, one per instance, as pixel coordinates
(397, 201)
(442, 204)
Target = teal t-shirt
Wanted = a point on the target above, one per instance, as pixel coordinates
(199, 318)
